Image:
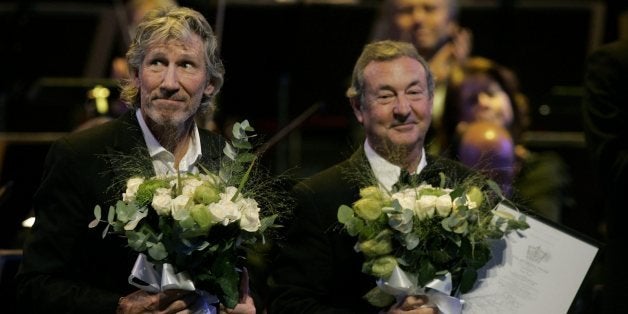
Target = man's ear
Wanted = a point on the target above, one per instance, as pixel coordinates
(209, 90)
(357, 108)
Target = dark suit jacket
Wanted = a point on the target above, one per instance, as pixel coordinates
(67, 267)
(318, 271)
(606, 128)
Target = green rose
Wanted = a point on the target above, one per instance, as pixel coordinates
(475, 196)
(375, 247)
(383, 266)
(368, 208)
(205, 194)
(370, 192)
(200, 214)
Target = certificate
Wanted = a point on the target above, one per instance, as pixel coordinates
(537, 270)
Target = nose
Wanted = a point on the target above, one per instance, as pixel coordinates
(401, 108)
(170, 80)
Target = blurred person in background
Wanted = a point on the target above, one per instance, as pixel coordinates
(605, 109)
(484, 90)
(133, 12)
(489, 148)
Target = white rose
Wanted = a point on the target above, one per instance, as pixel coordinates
(190, 185)
(162, 201)
(181, 207)
(131, 189)
(443, 205)
(249, 220)
(406, 198)
(425, 206)
(224, 211)
(230, 191)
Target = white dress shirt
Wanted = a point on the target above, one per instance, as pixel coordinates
(385, 172)
(163, 160)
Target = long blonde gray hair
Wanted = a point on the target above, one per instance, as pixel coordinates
(164, 24)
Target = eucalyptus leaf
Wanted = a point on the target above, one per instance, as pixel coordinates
(345, 214)
(135, 219)
(245, 125)
(355, 226)
(104, 232)
(137, 241)
(158, 252)
(245, 157)
(241, 145)
(229, 151)
(93, 223)
(379, 298)
(97, 212)
(412, 240)
(111, 214)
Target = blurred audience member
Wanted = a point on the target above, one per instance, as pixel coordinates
(605, 109)
(487, 91)
(134, 12)
(482, 90)
(488, 147)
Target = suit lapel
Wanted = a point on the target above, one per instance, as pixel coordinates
(127, 155)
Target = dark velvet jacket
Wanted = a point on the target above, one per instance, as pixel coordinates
(318, 270)
(67, 267)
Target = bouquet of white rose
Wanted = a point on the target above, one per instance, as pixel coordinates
(425, 239)
(192, 225)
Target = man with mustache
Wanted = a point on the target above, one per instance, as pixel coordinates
(69, 268)
(318, 269)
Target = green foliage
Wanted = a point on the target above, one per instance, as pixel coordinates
(469, 276)
(147, 189)
(224, 270)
